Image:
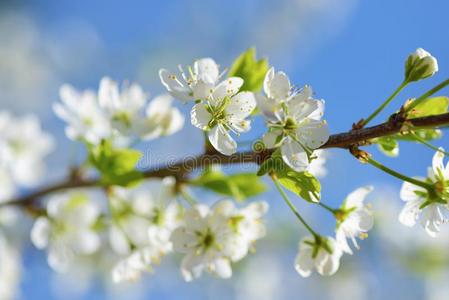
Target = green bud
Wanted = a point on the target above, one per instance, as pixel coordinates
(420, 65)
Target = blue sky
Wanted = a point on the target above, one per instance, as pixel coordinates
(351, 52)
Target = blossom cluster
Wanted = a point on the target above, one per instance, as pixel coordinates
(145, 224)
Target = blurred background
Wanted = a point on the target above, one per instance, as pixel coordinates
(351, 52)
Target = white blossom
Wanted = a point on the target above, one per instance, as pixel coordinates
(321, 253)
(246, 225)
(67, 230)
(161, 118)
(23, 146)
(142, 223)
(213, 238)
(293, 119)
(85, 119)
(195, 85)
(430, 208)
(224, 110)
(354, 219)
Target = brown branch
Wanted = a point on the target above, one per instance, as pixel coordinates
(182, 168)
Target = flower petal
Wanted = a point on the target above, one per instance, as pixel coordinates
(222, 141)
(356, 198)
(227, 88)
(294, 155)
(241, 105)
(199, 116)
(313, 133)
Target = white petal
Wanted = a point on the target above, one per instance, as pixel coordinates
(85, 241)
(222, 268)
(356, 198)
(342, 241)
(408, 191)
(227, 88)
(222, 141)
(241, 105)
(409, 214)
(206, 70)
(174, 86)
(437, 162)
(191, 266)
(304, 262)
(294, 155)
(313, 133)
(267, 107)
(278, 87)
(108, 93)
(199, 116)
(40, 233)
(118, 241)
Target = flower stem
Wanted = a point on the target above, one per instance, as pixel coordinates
(424, 142)
(399, 175)
(328, 208)
(292, 207)
(426, 95)
(386, 102)
(185, 194)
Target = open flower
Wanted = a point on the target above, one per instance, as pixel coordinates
(246, 225)
(354, 218)
(23, 146)
(161, 118)
(322, 253)
(202, 77)
(67, 230)
(430, 207)
(123, 108)
(224, 110)
(204, 240)
(86, 121)
(293, 119)
(143, 221)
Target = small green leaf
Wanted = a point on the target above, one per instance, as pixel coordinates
(116, 166)
(303, 184)
(388, 145)
(430, 106)
(251, 70)
(239, 186)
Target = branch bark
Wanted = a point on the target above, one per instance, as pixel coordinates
(181, 169)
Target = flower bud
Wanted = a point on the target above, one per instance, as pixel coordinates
(419, 65)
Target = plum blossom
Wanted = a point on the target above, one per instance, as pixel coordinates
(67, 230)
(23, 146)
(321, 253)
(293, 119)
(202, 77)
(225, 109)
(212, 238)
(142, 223)
(429, 207)
(354, 218)
(161, 118)
(116, 114)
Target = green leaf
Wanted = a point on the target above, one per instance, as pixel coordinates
(251, 70)
(388, 145)
(116, 166)
(430, 106)
(303, 184)
(239, 186)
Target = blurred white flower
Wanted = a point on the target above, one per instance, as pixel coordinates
(204, 240)
(10, 270)
(246, 225)
(293, 119)
(420, 65)
(196, 85)
(142, 222)
(430, 208)
(213, 238)
(322, 253)
(123, 108)
(161, 118)
(224, 110)
(86, 120)
(354, 218)
(23, 146)
(317, 166)
(67, 230)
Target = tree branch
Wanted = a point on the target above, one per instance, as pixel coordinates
(182, 168)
